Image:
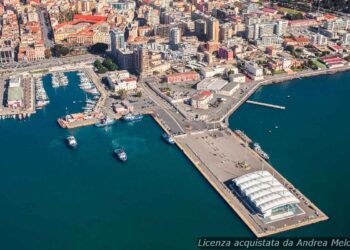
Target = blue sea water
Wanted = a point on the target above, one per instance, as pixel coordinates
(52, 197)
(310, 145)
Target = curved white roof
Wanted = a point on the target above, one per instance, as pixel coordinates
(264, 191)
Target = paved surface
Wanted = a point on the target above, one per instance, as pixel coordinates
(45, 28)
(216, 153)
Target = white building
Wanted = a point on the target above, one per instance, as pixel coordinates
(237, 78)
(345, 38)
(267, 195)
(126, 84)
(212, 84)
(218, 70)
(201, 99)
(229, 89)
(319, 40)
(254, 70)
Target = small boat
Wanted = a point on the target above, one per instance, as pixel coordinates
(130, 117)
(107, 121)
(120, 153)
(260, 152)
(72, 142)
(168, 138)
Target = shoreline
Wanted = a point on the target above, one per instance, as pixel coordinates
(301, 75)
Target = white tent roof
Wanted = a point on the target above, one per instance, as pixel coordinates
(264, 191)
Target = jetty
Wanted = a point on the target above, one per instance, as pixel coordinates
(218, 156)
(266, 104)
(221, 156)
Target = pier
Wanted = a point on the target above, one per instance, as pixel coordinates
(266, 104)
(216, 155)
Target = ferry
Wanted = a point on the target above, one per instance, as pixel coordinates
(130, 117)
(120, 153)
(72, 142)
(260, 152)
(168, 139)
(105, 122)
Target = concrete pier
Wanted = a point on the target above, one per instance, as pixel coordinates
(266, 104)
(216, 153)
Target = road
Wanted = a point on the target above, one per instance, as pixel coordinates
(175, 125)
(39, 65)
(45, 28)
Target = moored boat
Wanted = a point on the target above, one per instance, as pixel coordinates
(260, 152)
(131, 117)
(107, 121)
(169, 139)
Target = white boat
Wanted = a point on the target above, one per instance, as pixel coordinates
(72, 142)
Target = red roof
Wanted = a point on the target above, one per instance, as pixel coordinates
(205, 93)
(90, 18)
(332, 60)
(269, 10)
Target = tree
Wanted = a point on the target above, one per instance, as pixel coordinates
(47, 53)
(97, 63)
(98, 48)
(109, 64)
(290, 48)
(102, 70)
(122, 93)
(139, 94)
(60, 50)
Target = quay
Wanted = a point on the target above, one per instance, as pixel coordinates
(98, 109)
(216, 155)
(266, 104)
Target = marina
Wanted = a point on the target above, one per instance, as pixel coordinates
(41, 97)
(91, 113)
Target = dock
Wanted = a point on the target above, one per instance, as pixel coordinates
(215, 154)
(266, 104)
(98, 109)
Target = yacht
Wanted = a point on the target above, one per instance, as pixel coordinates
(72, 142)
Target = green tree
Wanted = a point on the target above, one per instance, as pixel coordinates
(98, 48)
(97, 63)
(60, 50)
(139, 94)
(102, 70)
(109, 64)
(122, 94)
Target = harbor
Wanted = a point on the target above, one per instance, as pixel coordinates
(219, 154)
(149, 158)
(92, 113)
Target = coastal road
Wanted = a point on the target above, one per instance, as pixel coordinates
(44, 64)
(164, 112)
